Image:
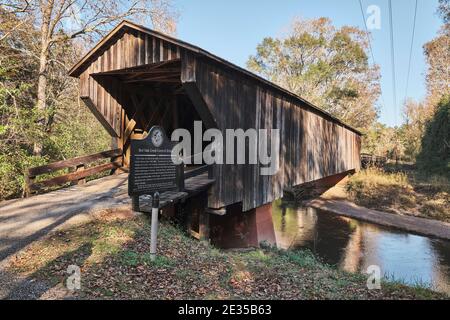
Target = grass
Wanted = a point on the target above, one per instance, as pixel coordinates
(133, 259)
(113, 256)
(404, 192)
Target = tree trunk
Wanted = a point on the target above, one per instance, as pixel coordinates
(41, 103)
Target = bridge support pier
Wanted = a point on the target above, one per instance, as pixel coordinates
(237, 229)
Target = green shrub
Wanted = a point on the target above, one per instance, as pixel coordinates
(13, 163)
(435, 155)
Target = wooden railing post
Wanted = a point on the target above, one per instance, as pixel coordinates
(81, 168)
(116, 170)
(29, 180)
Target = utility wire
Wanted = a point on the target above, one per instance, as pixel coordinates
(367, 30)
(370, 44)
(394, 85)
(411, 50)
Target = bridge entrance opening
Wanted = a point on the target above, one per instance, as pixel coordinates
(150, 95)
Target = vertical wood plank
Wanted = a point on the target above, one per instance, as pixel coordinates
(120, 53)
(147, 48)
(161, 50)
(141, 41)
(134, 48)
(157, 50)
(154, 51)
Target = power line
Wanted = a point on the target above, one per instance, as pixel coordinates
(370, 44)
(367, 30)
(394, 86)
(411, 50)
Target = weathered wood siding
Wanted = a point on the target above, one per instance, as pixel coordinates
(126, 49)
(312, 145)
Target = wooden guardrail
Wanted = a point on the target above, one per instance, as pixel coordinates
(196, 171)
(371, 160)
(80, 169)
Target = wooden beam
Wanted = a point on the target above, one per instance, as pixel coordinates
(200, 105)
(49, 168)
(218, 212)
(157, 71)
(149, 123)
(81, 168)
(132, 124)
(138, 107)
(203, 225)
(196, 171)
(74, 176)
(128, 131)
(99, 116)
(179, 90)
(165, 79)
(137, 69)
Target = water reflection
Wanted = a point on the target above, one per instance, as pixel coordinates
(354, 245)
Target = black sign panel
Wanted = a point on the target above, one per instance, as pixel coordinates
(152, 169)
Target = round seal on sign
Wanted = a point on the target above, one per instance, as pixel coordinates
(157, 137)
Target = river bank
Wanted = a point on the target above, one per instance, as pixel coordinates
(112, 253)
(412, 224)
(400, 190)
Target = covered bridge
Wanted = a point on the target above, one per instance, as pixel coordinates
(135, 78)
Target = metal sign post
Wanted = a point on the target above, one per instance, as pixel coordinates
(135, 203)
(154, 226)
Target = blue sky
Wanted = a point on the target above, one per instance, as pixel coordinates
(232, 29)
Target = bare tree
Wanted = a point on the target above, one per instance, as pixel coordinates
(60, 21)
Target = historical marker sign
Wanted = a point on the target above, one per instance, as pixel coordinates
(152, 169)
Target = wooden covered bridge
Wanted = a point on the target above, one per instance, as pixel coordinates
(136, 78)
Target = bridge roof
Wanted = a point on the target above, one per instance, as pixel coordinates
(78, 68)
